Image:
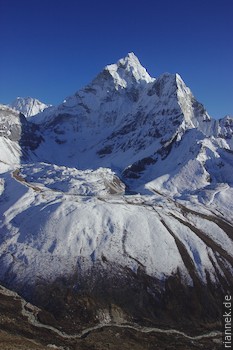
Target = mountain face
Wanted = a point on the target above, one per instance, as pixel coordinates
(28, 106)
(18, 137)
(123, 117)
(116, 206)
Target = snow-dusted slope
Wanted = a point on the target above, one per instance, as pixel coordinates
(59, 213)
(28, 106)
(61, 229)
(184, 167)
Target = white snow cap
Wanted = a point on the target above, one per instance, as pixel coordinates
(28, 106)
(128, 71)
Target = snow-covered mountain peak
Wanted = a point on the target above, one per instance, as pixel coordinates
(28, 106)
(128, 71)
(168, 84)
(181, 84)
(111, 91)
(124, 103)
(228, 119)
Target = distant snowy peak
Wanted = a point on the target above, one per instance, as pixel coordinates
(28, 106)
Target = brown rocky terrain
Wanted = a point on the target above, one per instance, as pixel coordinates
(22, 328)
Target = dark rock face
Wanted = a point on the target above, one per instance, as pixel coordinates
(15, 127)
(30, 137)
(137, 168)
(8, 129)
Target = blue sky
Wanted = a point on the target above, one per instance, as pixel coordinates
(51, 48)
